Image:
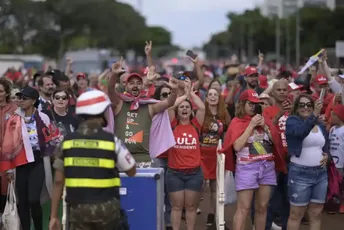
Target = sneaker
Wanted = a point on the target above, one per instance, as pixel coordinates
(341, 209)
(275, 227)
(169, 228)
(198, 211)
(210, 219)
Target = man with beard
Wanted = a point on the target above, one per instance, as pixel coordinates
(251, 82)
(134, 113)
(46, 88)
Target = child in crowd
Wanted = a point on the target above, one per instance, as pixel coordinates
(337, 137)
(336, 142)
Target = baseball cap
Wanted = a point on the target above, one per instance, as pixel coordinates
(81, 76)
(29, 92)
(250, 70)
(341, 76)
(53, 72)
(249, 95)
(321, 79)
(293, 87)
(339, 111)
(132, 75)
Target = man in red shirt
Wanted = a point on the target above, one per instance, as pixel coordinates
(321, 82)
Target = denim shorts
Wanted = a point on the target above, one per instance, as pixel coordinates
(178, 180)
(251, 175)
(307, 184)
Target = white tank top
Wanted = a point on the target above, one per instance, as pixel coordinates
(311, 153)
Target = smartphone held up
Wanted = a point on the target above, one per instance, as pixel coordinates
(191, 54)
(258, 109)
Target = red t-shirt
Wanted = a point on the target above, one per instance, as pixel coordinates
(327, 100)
(186, 153)
(14, 76)
(270, 113)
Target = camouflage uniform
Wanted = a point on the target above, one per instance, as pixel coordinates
(104, 216)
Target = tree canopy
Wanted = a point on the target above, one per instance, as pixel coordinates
(52, 27)
(251, 31)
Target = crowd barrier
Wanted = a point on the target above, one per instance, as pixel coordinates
(142, 198)
(220, 198)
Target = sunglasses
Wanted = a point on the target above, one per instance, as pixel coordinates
(165, 95)
(24, 98)
(305, 105)
(61, 97)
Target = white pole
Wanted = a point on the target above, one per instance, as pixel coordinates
(64, 211)
(220, 198)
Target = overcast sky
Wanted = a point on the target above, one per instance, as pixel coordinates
(191, 21)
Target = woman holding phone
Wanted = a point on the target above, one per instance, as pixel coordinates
(308, 142)
(257, 147)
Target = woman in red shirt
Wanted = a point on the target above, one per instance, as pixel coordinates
(184, 176)
(216, 121)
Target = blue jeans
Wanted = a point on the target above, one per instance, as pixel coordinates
(180, 180)
(162, 163)
(307, 184)
(278, 204)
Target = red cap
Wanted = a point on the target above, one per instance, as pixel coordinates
(81, 76)
(339, 111)
(293, 87)
(133, 75)
(249, 95)
(250, 71)
(263, 81)
(321, 79)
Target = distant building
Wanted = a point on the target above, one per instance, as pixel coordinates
(284, 8)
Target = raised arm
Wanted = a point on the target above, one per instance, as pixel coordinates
(148, 51)
(115, 72)
(169, 102)
(199, 73)
(200, 114)
(69, 62)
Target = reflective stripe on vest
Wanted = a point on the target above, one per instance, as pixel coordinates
(88, 144)
(92, 183)
(89, 162)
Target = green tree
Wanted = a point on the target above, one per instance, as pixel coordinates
(320, 27)
(52, 27)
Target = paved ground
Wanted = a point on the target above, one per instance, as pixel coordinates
(330, 222)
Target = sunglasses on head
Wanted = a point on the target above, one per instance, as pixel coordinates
(61, 97)
(165, 94)
(305, 105)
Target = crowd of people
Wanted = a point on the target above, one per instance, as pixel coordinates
(283, 138)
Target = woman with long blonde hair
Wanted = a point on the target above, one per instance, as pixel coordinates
(216, 121)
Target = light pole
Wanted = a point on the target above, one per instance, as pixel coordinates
(297, 42)
(278, 39)
(287, 41)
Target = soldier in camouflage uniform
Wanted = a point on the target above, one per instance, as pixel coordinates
(87, 163)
